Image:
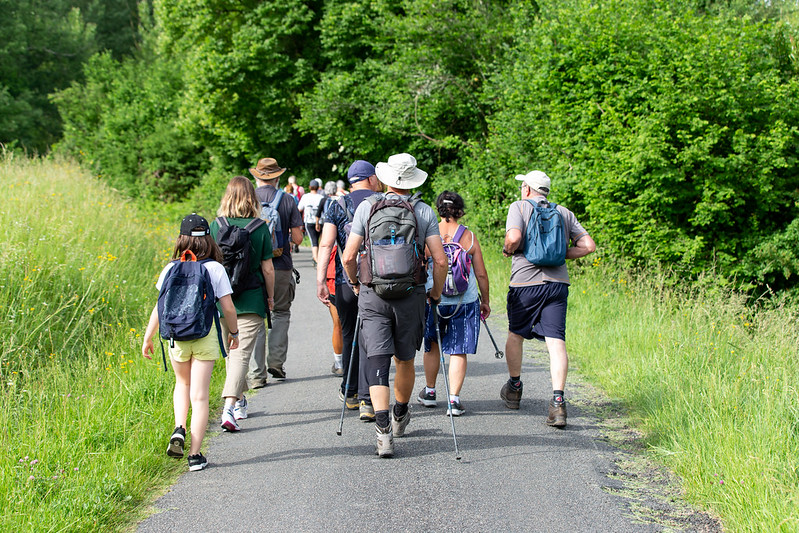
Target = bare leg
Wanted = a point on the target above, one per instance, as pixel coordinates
(380, 397)
(403, 380)
(558, 362)
(457, 373)
(431, 365)
(513, 353)
(337, 339)
(200, 382)
(180, 396)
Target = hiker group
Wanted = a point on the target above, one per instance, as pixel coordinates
(393, 275)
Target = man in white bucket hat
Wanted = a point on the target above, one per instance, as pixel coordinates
(391, 310)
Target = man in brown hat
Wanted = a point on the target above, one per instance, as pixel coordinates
(267, 174)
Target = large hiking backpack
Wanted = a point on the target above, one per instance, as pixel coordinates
(459, 265)
(235, 243)
(393, 260)
(545, 243)
(186, 302)
(270, 214)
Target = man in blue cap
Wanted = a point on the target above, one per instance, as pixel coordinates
(363, 183)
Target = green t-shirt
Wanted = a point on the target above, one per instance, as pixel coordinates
(251, 301)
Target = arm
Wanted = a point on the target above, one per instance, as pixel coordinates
(584, 246)
(296, 235)
(513, 238)
(326, 242)
(152, 326)
(268, 271)
(349, 259)
(481, 274)
(436, 249)
(226, 302)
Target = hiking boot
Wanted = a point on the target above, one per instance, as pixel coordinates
(456, 408)
(277, 373)
(240, 408)
(557, 415)
(257, 383)
(428, 399)
(385, 442)
(337, 370)
(229, 421)
(367, 411)
(350, 401)
(398, 425)
(511, 396)
(176, 442)
(197, 462)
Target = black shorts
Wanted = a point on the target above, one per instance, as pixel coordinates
(538, 311)
(310, 229)
(391, 327)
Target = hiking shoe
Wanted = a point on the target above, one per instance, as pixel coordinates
(398, 425)
(557, 415)
(456, 408)
(258, 383)
(350, 401)
(229, 421)
(511, 396)
(367, 411)
(240, 408)
(337, 370)
(277, 373)
(428, 399)
(197, 462)
(176, 442)
(385, 442)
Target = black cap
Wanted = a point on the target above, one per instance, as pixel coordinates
(192, 221)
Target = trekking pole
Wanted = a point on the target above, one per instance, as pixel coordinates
(349, 373)
(499, 354)
(434, 309)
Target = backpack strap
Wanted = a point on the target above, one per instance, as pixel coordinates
(254, 224)
(458, 233)
(222, 222)
(216, 313)
(348, 209)
(275, 203)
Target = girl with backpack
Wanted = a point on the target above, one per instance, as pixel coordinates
(193, 360)
(252, 278)
(460, 308)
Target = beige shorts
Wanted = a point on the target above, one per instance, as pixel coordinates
(205, 349)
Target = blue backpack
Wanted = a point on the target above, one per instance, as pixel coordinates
(270, 214)
(545, 243)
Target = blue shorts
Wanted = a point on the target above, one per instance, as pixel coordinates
(459, 333)
(538, 311)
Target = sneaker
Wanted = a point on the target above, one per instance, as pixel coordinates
(277, 373)
(229, 421)
(557, 415)
(456, 408)
(176, 442)
(351, 401)
(398, 425)
(337, 370)
(511, 396)
(367, 411)
(428, 399)
(197, 462)
(258, 383)
(385, 442)
(240, 408)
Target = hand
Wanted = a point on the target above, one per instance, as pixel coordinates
(147, 348)
(271, 303)
(485, 310)
(322, 293)
(233, 342)
(433, 301)
(506, 253)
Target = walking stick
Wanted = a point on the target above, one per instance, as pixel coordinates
(434, 309)
(499, 354)
(349, 373)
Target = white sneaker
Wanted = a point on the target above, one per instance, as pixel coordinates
(240, 409)
(229, 421)
(385, 442)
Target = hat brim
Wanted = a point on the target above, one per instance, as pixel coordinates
(266, 177)
(388, 176)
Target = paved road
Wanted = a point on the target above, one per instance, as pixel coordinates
(287, 470)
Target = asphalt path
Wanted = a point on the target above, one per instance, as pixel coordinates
(288, 470)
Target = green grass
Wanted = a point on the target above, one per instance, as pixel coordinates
(85, 418)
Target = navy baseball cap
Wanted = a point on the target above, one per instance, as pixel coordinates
(360, 170)
(194, 225)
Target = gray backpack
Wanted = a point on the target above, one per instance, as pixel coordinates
(393, 260)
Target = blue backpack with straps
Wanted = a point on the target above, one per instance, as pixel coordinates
(545, 242)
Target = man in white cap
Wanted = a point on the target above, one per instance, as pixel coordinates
(392, 309)
(537, 296)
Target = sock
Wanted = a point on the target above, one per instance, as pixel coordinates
(381, 418)
(454, 398)
(400, 409)
(428, 390)
(337, 360)
(557, 396)
(515, 381)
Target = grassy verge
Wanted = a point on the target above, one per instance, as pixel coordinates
(85, 418)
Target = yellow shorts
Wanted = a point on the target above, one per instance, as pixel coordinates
(205, 349)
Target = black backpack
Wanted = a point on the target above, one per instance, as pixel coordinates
(235, 244)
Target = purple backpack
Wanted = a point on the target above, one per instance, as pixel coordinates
(459, 265)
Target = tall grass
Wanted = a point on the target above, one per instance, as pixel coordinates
(85, 418)
(711, 380)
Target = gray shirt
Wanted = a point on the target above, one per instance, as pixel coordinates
(426, 221)
(524, 272)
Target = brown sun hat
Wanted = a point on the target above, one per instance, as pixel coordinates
(267, 169)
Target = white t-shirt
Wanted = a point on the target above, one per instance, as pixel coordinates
(219, 279)
(308, 205)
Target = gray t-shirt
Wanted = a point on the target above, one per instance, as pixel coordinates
(427, 223)
(524, 272)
